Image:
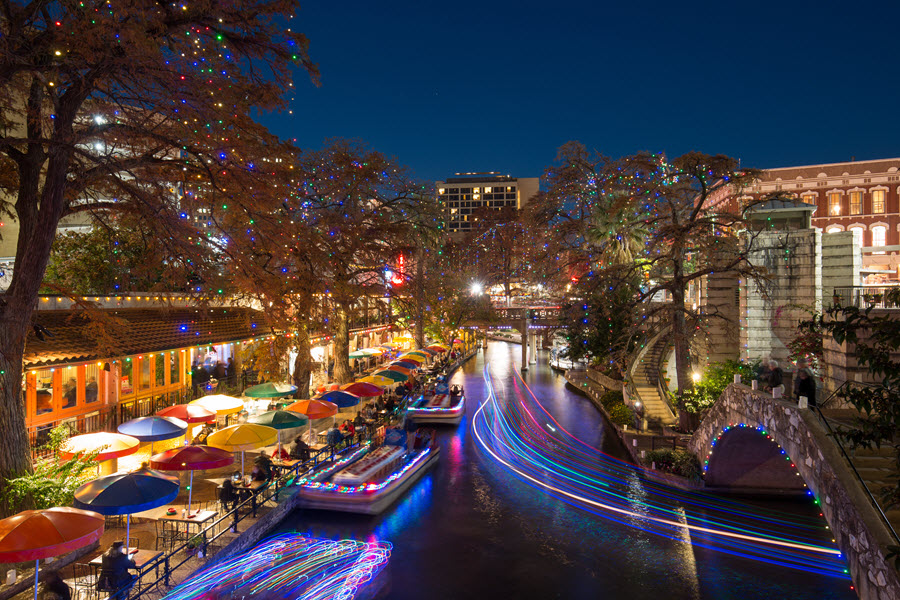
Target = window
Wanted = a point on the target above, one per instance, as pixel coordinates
(44, 392)
(144, 362)
(160, 370)
(879, 236)
(861, 235)
(832, 229)
(877, 201)
(91, 372)
(855, 203)
(127, 376)
(834, 203)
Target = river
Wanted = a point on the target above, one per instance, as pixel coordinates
(471, 529)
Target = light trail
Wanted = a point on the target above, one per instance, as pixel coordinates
(515, 434)
(292, 566)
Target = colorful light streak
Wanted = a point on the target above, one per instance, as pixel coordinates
(520, 434)
(291, 566)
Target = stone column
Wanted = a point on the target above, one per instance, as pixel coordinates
(524, 327)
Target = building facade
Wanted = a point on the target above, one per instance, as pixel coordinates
(861, 196)
(466, 194)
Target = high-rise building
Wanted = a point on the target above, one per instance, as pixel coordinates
(467, 194)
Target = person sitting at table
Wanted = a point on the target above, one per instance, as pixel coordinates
(379, 404)
(334, 438)
(55, 588)
(262, 468)
(348, 429)
(114, 575)
(200, 438)
(280, 453)
(390, 404)
(368, 412)
(300, 449)
(228, 495)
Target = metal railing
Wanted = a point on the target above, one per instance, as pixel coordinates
(864, 296)
(817, 409)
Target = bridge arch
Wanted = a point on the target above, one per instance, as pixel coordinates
(855, 525)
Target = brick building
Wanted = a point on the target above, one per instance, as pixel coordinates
(859, 196)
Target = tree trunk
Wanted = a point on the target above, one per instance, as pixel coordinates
(303, 361)
(420, 298)
(15, 454)
(682, 342)
(341, 343)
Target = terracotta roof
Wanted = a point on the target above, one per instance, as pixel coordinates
(110, 333)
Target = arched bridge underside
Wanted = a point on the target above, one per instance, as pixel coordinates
(749, 440)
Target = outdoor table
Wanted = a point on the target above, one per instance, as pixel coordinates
(285, 464)
(199, 518)
(141, 559)
(244, 490)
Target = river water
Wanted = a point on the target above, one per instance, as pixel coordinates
(471, 529)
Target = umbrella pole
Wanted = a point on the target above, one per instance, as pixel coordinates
(242, 463)
(190, 492)
(127, 530)
(37, 565)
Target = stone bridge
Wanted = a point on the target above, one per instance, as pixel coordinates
(749, 440)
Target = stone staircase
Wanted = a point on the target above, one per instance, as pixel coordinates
(644, 379)
(878, 468)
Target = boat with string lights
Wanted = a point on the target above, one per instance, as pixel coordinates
(369, 478)
(441, 405)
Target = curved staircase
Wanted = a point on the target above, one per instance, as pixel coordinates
(645, 381)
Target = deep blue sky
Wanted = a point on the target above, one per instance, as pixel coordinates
(490, 85)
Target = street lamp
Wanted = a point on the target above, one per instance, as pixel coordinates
(476, 289)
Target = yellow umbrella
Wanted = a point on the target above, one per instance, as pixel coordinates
(413, 357)
(403, 339)
(220, 404)
(378, 380)
(241, 437)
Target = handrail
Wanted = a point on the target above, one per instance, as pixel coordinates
(833, 435)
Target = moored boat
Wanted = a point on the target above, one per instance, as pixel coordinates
(439, 406)
(369, 479)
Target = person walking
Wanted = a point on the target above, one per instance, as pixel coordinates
(774, 378)
(806, 386)
(802, 365)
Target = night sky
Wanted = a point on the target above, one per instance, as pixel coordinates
(499, 86)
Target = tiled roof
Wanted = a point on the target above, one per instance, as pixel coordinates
(110, 333)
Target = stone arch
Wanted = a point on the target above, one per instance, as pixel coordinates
(857, 529)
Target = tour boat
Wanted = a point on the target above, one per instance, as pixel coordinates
(368, 480)
(439, 406)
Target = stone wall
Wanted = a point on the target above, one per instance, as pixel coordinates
(771, 309)
(841, 262)
(721, 300)
(856, 526)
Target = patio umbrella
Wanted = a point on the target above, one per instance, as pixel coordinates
(407, 364)
(374, 351)
(314, 409)
(458, 341)
(153, 429)
(340, 398)
(189, 413)
(395, 376)
(422, 352)
(436, 348)
(358, 354)
(270, 390)
(334, 387)
(377, 380)
(220, 404)
(363, 389)
(109, 446)
(280, 419)
(191, 458)
(402, 339)
(37, 534)
(242, 437)
(418, 358)
(398, 369)
(126, 493)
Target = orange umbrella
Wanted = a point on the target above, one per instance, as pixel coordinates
(37, 534)
(189, 413)
(400, 369)
(314, 409)
(107, 445)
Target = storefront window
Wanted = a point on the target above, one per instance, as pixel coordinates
(70, 387)
(174, 365)
(127, 376)
(144, 362)
(44, 389)
(160, 369)
(91, 389)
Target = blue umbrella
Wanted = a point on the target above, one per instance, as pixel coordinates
(153, 429)
(341, 398)
(408, 364)
(126, 493)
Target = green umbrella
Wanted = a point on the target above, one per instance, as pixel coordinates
(395, 375)
(280, 419)
(270, 390)
(358, 354)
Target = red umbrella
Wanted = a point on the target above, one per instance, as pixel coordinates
(191, 458)
(37, 534)
(189, 413)
(400, 369)
(436, 348)
(363, 389)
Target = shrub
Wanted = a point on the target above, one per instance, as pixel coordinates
(714, 381)
(611, 398)
(621, 415)
(677, 462)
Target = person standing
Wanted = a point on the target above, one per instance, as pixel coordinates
(774, 378)
(802, 365)
(806, 386)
